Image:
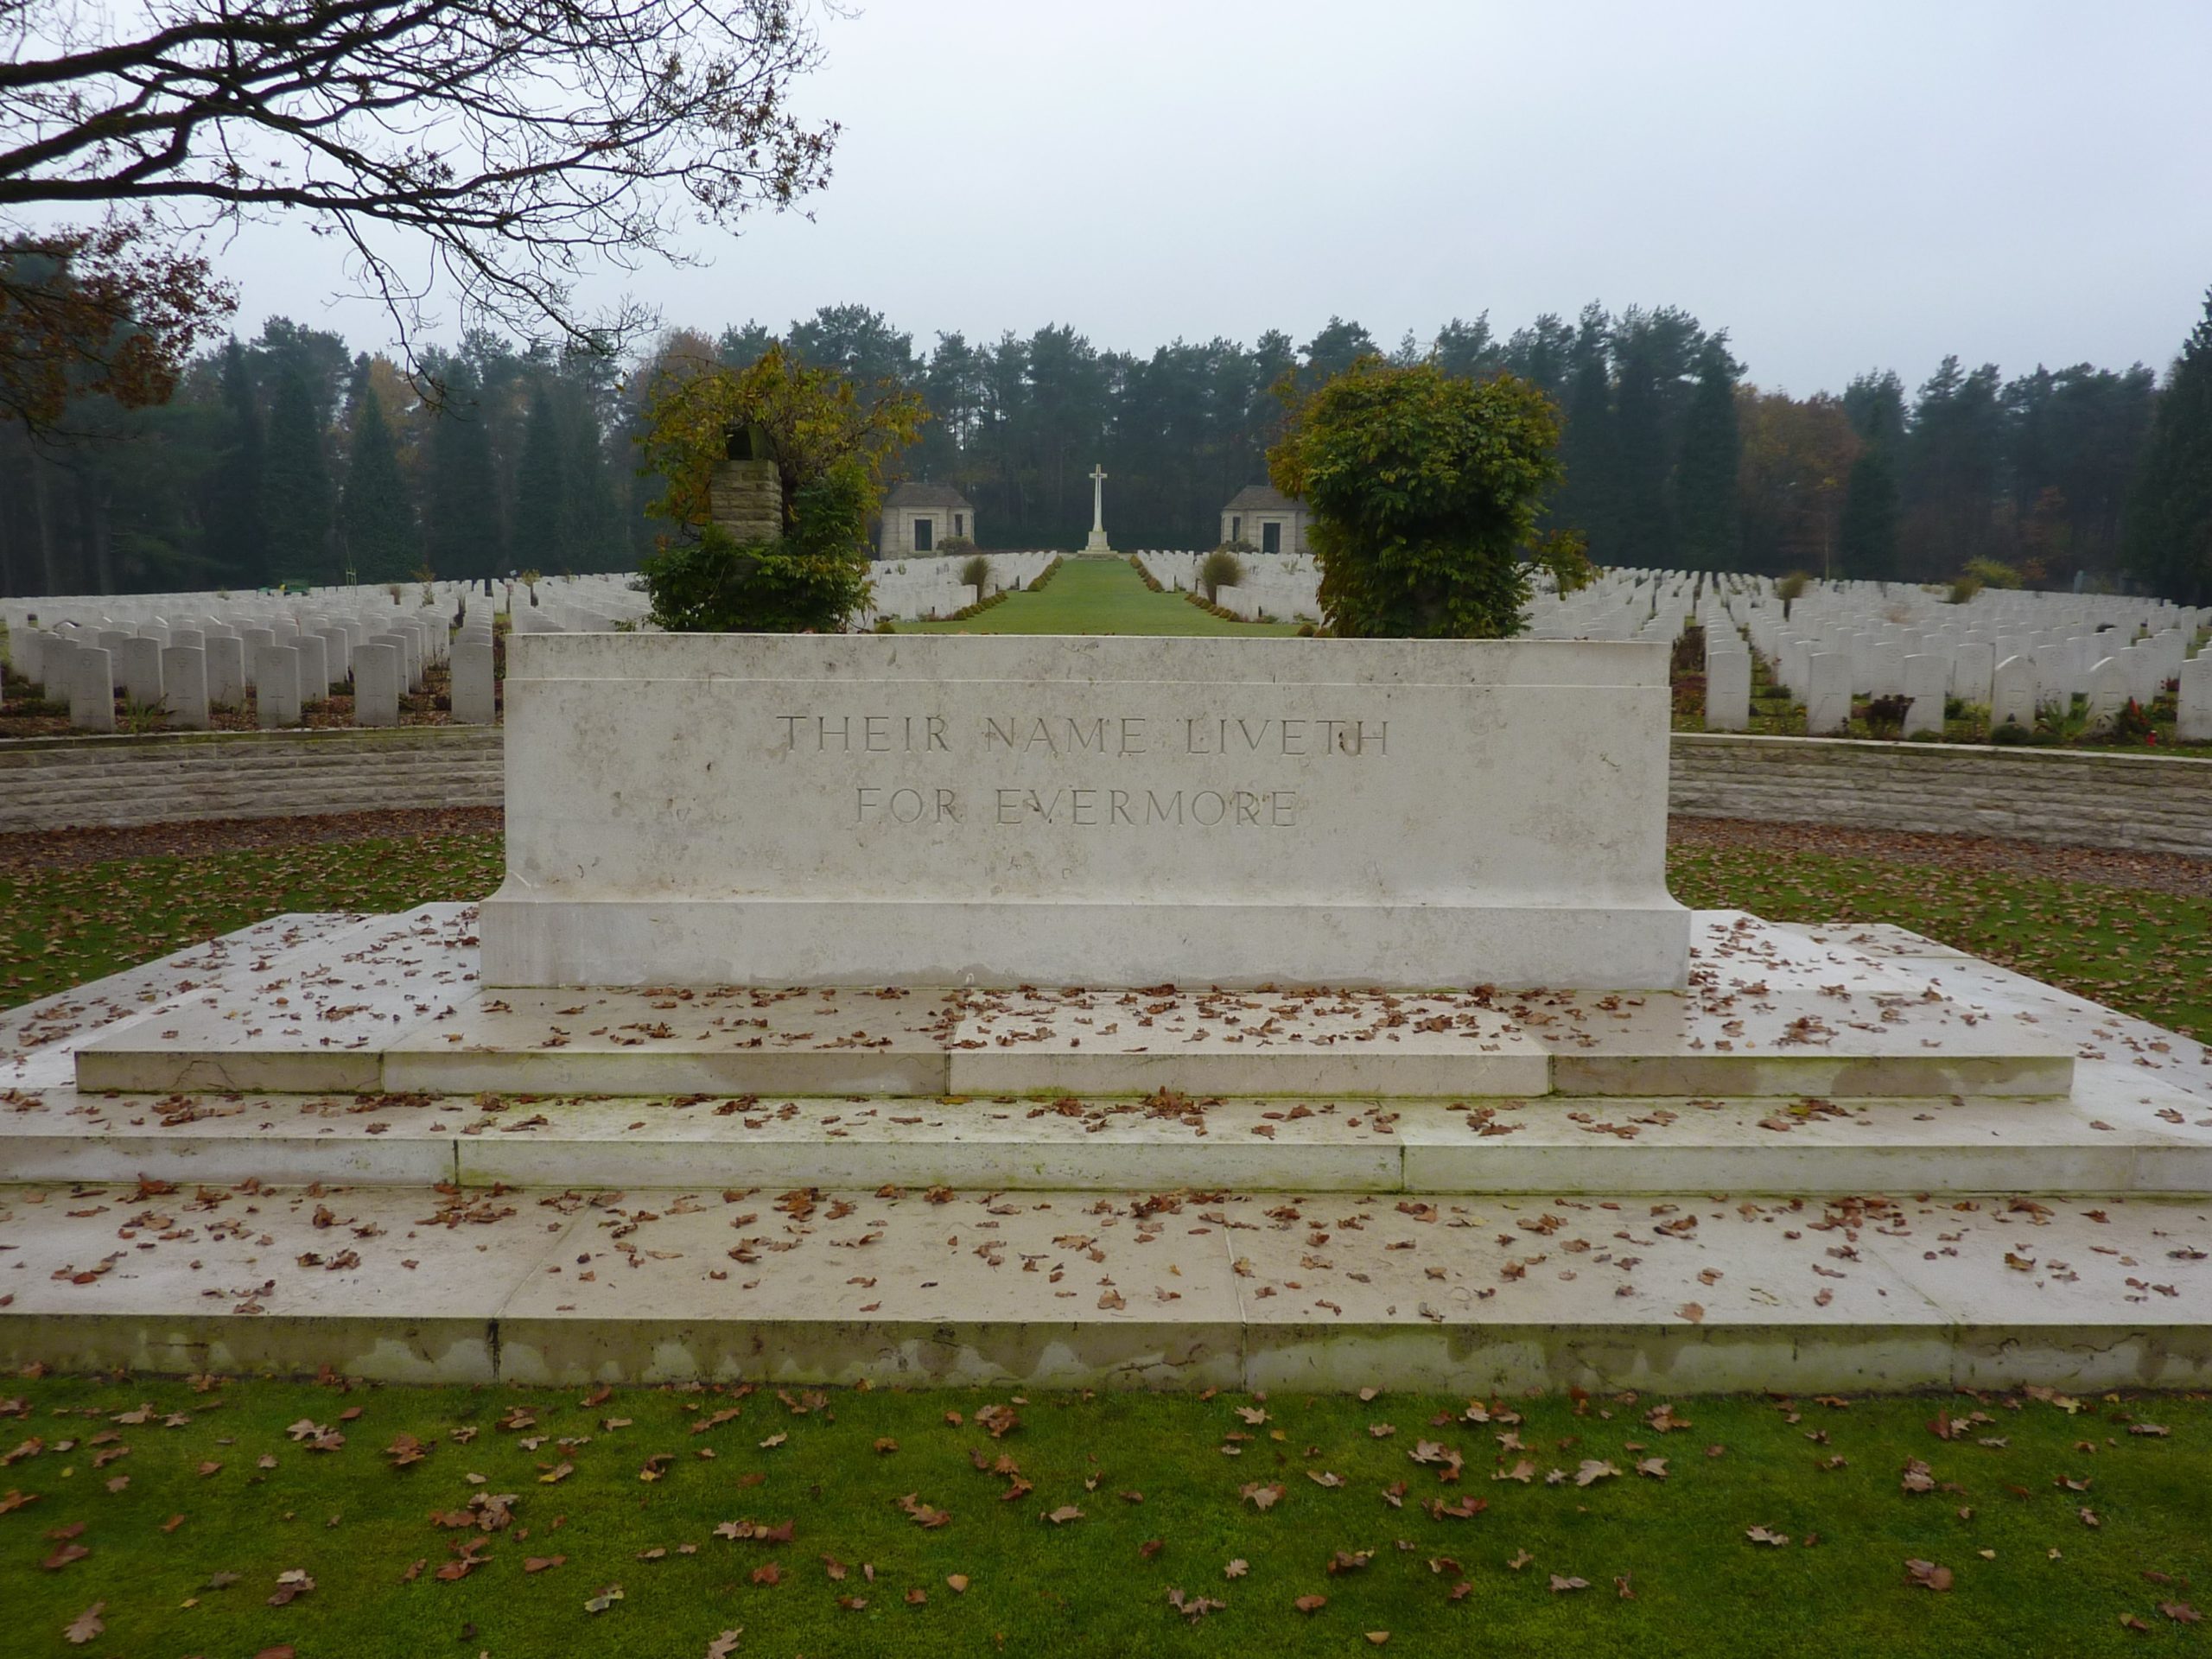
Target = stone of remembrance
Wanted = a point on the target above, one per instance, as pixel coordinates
(873, 810)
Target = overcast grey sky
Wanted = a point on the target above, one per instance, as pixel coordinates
(1839, 186)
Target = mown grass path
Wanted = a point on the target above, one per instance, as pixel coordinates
(1097, 596)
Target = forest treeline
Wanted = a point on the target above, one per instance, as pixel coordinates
(291, 457)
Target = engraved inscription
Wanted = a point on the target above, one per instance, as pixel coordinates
(1083, 738)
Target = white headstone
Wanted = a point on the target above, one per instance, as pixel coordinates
(2194, 722)
(315, 667)
(184, 673)
(138, 669)
(226, 670)
(2109, 692)
(375, 684)
(1827, 696)
(1727, 690)
(1971, 668)
(1926, 681)
(255, 640)
(475, 700)
(277, 686)
(92, 690)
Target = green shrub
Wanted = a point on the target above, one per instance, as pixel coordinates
(976, 573)
(1424, 489)
(1220, 568)
(810, 582)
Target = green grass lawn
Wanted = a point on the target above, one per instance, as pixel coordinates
(2052, 1523)
(1097, 596)
(2030, 1574)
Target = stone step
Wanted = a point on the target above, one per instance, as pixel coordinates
(2120, 1131)
(393, 1005)
(1055, 1288)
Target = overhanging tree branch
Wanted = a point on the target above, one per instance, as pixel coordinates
(522, 141)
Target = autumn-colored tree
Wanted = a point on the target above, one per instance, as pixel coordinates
(1797, 455)
(1424, 489)
(829, 444)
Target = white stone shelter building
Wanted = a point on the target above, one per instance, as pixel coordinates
(917, 517)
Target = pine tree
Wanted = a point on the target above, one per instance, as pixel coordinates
(1867, 536)
(233, 536)
(1586, 499)
(591, 536)
(376, 521)
(543, 504)
(462, 521)
(296, 482)
(2168, 544)
(1707, 513)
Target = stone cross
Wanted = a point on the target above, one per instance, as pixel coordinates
(1097, 543)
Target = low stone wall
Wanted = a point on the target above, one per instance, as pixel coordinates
(2066, 797)
(2148, 803)
(58, 783)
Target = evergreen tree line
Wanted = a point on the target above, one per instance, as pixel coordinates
(288, 457)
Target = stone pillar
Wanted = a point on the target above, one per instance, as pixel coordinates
(745, 499)
(1727, 690)
(138, 666)
(1926, 680)
(2195, 721)
(226, 670)
(375, 684)
(184, 672)
(277, 686)
(92, 690)
(1827, 696)
(475, 697)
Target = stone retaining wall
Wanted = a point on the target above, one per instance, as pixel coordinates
(2153, 803)
(2067, 798)
(56, 783)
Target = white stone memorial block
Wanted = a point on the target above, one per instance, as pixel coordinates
(375, 684)
(474, 696)
(277, 686)
(226, 670)
(2192, 723)
(184, 676)
(1927, 679)
(1727, 690)
(2012, 693)
(92, 690)
(1828, 693)
(2109, 692)
(741, 809)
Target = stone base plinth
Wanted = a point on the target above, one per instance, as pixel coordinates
(553, 941)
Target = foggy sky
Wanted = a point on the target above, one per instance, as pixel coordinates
(1840, 186)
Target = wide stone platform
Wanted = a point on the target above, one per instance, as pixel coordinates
(1841, 1157)
(394, 1004)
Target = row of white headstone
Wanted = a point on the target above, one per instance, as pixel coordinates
(1283, 585)
(2012, 655)
(920, 586)
(180, 660)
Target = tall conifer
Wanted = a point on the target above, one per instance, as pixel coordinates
(2169, 537)
(376, 521)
